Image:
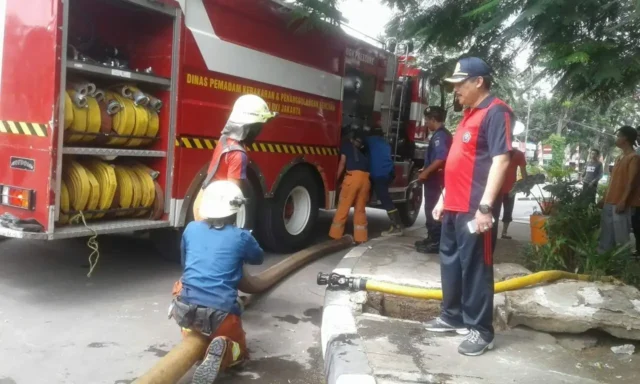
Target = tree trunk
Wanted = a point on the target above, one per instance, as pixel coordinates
(561, 122)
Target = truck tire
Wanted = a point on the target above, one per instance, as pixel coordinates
(289, 218)
(246, 218)
(410, 209)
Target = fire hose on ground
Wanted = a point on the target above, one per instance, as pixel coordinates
(335, 281)
(193, 346)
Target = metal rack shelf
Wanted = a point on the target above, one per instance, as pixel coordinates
(110, 72)
(112, 152)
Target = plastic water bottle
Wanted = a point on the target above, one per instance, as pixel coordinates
(473, 226)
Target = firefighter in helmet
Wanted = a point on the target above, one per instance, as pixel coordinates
(229, 160)
(213, 252)
(354, 190)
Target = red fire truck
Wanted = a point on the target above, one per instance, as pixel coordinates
(110, 109)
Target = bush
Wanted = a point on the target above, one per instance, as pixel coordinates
(573, 231)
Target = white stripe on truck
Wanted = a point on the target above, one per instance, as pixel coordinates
(235, 60)
(3, 16)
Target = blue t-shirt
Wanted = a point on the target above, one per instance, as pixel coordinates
(438, 149)
(212, 260)
(380, 163)
(356, 160)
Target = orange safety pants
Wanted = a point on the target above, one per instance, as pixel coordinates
(231, 330)
(355, 193)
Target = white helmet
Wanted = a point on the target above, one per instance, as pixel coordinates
(221, 199)
(250, 109)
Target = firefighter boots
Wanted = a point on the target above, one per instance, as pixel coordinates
(397, 229)
(208, 371)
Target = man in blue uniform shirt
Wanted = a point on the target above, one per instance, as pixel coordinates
(382, 174)
(432, 175)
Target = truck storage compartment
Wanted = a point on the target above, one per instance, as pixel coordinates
(119, 69)
(96, 189)
(117, 118)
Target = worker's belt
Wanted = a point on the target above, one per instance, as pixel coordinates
(196, 317)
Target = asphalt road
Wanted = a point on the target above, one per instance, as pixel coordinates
(58, 326)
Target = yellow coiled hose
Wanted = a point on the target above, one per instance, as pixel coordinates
(94, 120)
(106, 177)
(124, 121)
(80, 115)
(68, 111)
(137, 116)
(64, 204)
(90, 184)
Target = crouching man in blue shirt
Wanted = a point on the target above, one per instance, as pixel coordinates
(205, 300)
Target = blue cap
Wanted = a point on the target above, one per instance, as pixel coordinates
(469, 67)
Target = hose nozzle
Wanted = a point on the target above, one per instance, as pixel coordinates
(335, 281)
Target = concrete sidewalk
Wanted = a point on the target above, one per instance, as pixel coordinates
(363, 342)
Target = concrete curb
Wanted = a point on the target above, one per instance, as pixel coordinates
(345, 361)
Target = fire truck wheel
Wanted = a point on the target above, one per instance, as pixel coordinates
(246, 217)
(288, 219)
(410, 209)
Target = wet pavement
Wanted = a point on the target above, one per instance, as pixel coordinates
(58, 326)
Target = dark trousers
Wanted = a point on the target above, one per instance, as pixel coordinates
(431, 196)
(635, 222)
(381, 187)
(589, 193)
(466, 267)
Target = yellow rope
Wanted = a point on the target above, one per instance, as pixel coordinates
(92, 243)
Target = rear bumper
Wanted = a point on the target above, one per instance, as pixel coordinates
(17, 234)
(101, 228)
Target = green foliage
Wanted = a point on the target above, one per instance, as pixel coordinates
(591, 47)
(573, 231)
(558, 144)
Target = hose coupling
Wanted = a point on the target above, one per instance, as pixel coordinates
(335, 281)
(155, 104)
(139, 98)
(113, 107)
(79, 100)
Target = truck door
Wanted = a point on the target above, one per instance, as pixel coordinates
(29, 86)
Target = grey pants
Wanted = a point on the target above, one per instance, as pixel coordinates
(615, 228)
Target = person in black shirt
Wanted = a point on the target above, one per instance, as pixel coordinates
(592, 175)
(354, 190)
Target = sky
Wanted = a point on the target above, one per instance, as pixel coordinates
(370, 17)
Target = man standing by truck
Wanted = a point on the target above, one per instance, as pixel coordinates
(432, 175)
(382, 174)
(354, 191)
(474, 173)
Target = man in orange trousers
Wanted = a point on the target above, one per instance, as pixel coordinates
(355, 190)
